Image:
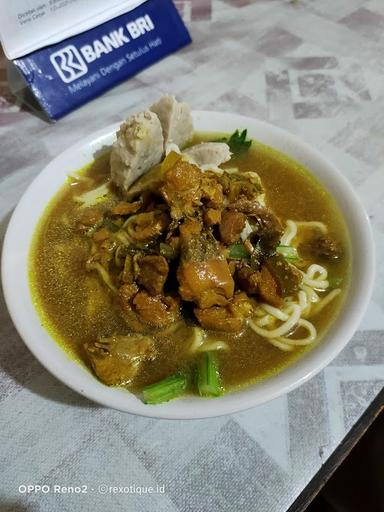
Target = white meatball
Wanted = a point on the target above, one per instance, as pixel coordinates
(176, 120)
(208, 153)
(138, 147)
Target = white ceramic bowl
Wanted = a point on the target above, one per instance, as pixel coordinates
(48, 352)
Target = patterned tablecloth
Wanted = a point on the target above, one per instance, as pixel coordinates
(314, 67)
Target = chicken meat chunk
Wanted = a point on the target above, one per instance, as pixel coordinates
(229, 318)
(117, 360)
(203, 274)
(138, 147)
(175, 119)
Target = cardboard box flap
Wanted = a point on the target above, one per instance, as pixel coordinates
(28, 25)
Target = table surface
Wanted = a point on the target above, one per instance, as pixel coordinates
(313, 67)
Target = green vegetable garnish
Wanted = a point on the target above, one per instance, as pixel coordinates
(288, 252)
(208, 377)
(238, 142)
(166, 389)
(237, 251)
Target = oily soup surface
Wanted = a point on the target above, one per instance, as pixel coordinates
(76, 307)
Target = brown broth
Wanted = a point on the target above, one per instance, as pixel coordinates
(75, 307)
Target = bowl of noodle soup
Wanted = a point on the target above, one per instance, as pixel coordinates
(316, 342)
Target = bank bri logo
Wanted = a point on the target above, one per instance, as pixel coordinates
(85, 65)
(68, 63)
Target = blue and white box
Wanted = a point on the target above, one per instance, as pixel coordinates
(67, 74)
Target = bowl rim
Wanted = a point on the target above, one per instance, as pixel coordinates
(62, 367)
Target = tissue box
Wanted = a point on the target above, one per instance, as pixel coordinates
(63, 76)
